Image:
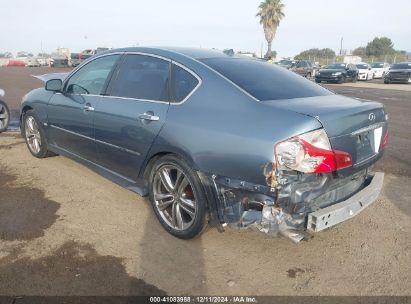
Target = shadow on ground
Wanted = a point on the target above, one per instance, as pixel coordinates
(25, 213)
(174, 264)
(72, 269)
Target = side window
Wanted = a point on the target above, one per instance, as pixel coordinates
(91, 78)
(183, 83)
(142, 77)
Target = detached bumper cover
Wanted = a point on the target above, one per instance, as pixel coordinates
(338, 213)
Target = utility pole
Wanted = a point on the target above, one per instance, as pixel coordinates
(341, 45)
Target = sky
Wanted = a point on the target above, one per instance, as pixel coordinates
(38, 25)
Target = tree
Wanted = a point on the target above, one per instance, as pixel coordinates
(380, 47)
(359, 51)
(316, 54)
(270, 13)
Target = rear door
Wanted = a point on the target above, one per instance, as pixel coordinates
(130, 116)
(71, 113)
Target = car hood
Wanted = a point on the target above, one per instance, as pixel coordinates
(339, 115)
(47, 77)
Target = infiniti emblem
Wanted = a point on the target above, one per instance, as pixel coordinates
(371, 117)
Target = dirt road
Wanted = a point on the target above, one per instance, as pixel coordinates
(64, 230)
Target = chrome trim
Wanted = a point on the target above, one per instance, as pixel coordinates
(96, 140)
(136, 99)
(368, 128)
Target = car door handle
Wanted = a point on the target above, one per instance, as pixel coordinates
(88, 108)
(149, 116)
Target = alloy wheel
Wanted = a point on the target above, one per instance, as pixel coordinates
(33, 136)
(174, 197)
(4, 116)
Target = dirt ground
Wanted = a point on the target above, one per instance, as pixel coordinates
(64, 230)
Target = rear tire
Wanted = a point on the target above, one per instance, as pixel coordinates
(177, 197)
(4, 116)
(34, 135)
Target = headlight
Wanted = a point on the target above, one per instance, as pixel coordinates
(337, 74)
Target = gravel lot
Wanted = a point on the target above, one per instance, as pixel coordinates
(64, 230)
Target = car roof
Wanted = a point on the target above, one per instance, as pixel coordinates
(195, 53)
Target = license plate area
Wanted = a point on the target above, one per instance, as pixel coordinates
(368, 144)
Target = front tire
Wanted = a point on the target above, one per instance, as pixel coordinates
(34, 135)
(177, 197)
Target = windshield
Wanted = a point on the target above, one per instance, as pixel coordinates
(401, 65)
(285, 62)
(265, 81)
(377, 65)
(362, 66)
(335, 66)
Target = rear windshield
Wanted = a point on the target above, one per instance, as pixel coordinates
(401, 66)
(377, 65)
(335, 66)
(265, 81)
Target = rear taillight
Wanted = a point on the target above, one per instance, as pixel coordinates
(310, 153)
(384, 141)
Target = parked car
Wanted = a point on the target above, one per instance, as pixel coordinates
(364, 71)
(285, 63)
(75, 59)
(4, 113)
(337, 72)
(214, 138)
(304, 68)
(380, 69)
(399, 72)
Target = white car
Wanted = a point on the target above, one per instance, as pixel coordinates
(364, 71)
(380, 69)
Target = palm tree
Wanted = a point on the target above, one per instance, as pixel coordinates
(270, 13)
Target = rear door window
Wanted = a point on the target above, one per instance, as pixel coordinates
(183, 83)
(142, 77)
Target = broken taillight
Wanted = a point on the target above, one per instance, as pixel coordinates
(310, 153)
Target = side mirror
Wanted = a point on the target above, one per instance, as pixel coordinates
(54, 85)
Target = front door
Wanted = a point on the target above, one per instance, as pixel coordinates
(71, 113)
(129, 118)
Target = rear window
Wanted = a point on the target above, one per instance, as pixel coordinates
(401, 66)
(265, 81)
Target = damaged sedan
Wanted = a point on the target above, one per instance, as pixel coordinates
(214, 139)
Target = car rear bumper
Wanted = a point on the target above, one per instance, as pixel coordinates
(340, 212)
